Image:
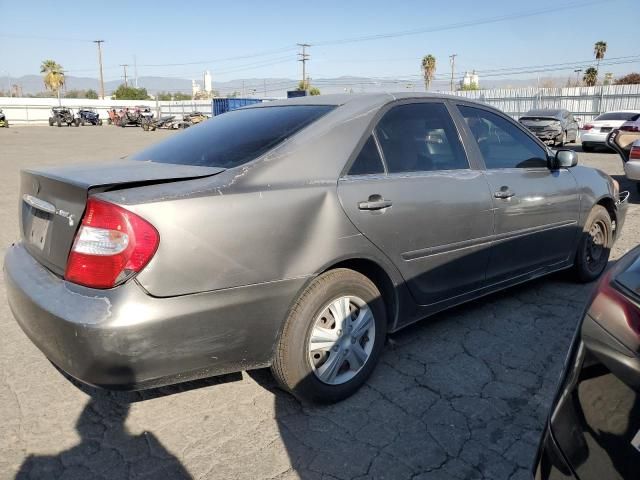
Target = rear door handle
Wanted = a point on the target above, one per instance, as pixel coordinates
(504, 193)
(375, 202)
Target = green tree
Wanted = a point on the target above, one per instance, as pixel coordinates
(599, 49)
(428, 70)
(181, 96)
(590, 77)
(53, 75)
(471, 86)
(91, 94)
(124, 92)
(305, 85)
(163, 96)
(629, 79)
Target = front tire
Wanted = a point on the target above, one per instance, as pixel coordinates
(594, 246)
(332, 339)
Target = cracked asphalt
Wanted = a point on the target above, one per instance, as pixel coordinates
(463, 395)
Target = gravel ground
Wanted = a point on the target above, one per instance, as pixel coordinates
(463, 395)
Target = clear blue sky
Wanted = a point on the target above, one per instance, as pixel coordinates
(162, 32)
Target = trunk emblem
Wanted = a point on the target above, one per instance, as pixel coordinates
(48, 208)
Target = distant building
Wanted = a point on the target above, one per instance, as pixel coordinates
(195, 88)
(470, 79)
(207, 82)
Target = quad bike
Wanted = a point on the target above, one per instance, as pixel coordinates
(89, 116)
(3, 120)
(137, 116)
(60, 115)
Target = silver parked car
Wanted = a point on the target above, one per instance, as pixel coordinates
(555, 125)
(295, 234)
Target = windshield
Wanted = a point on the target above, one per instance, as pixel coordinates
(235, 137)
(618, 116)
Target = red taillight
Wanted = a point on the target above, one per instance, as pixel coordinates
(634, 154)
(587, 127)
(608, 299)
(630, 128)
(111, 245)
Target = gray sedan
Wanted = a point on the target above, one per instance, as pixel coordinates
(295, 234)
(556, 125)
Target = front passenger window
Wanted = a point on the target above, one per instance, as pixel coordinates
(503, 144)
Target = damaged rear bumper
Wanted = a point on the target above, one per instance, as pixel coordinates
(123, 338)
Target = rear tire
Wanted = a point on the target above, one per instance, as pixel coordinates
(346, 350)
(50, 122)
(594, 246)
(59, 123)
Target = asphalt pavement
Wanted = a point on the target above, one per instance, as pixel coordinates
(463, 395)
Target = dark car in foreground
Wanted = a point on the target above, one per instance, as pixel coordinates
(593, 431)
(555, 125)
(295, 234)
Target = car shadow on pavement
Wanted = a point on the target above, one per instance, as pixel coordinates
(106, 448)
(462, 395)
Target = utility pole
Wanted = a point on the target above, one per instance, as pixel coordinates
(452, 60)
(99, 43)
(124, 67)
(304, 57)
(577, 72)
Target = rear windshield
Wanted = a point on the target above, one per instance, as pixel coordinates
(235, 137)
(618, 116)
(540, 118)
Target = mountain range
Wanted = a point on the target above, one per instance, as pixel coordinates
(268, 87)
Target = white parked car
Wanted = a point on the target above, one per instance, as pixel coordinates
(594, 133)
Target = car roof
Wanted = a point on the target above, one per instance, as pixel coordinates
(352, 99)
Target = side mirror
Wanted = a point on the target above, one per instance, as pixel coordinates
(563, 158)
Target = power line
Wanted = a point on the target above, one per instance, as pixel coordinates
(454, 26)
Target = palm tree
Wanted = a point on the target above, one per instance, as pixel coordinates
(599, 49)
(53, 75)
(590, 77)
(428, 70)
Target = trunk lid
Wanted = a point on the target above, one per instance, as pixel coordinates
(622, 141)
(53, 199)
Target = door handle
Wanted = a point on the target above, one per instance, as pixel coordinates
(504, 193)
(375, 202)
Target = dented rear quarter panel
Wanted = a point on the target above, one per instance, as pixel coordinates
(275, 218)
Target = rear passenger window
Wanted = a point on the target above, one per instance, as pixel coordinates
(502, 143)
(420, 137)
(368, 161)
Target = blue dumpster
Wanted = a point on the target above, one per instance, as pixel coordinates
(222, 105)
